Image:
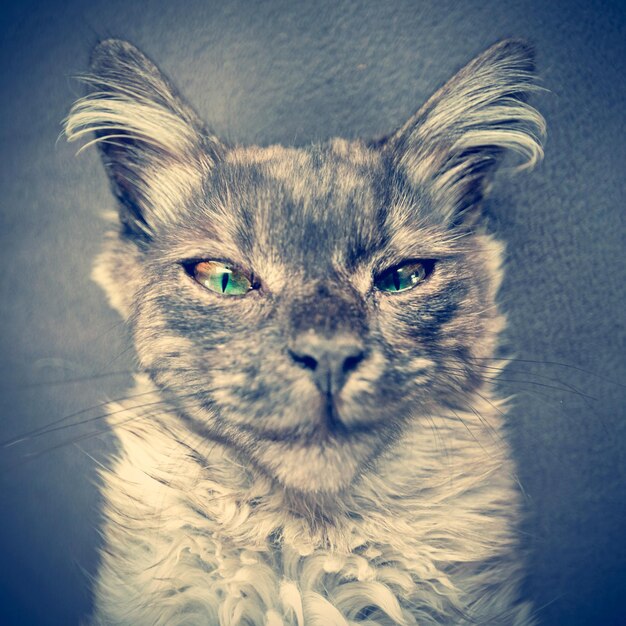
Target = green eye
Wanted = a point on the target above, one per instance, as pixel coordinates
(221, 278)
(403, 277)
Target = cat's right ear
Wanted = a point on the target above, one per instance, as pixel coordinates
(451, 147)
(154, 147)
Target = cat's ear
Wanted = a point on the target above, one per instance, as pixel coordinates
(451, 146)
(154, 148)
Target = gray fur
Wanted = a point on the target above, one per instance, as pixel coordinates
(315, 226)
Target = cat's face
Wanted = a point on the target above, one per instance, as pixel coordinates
(315, 229)
(303, 305)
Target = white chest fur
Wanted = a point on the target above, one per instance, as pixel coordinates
(428, 538)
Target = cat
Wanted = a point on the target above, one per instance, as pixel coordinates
(313, 437)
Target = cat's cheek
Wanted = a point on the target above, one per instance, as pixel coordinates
(118, 271)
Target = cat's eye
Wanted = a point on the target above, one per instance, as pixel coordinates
(403, 277)
(221, 278)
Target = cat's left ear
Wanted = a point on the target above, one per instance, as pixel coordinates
(155, 149)
(452, 145)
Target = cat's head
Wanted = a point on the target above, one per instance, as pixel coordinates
(303, 305)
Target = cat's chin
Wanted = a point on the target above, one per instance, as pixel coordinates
(321, 467)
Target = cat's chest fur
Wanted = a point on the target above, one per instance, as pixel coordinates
(193, 539)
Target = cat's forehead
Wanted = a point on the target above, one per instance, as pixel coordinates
(303, 201)
(276, 157)
(318, 179)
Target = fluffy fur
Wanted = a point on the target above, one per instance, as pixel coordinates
(427, 539)
(249, 489)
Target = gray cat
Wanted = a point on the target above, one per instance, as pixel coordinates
(313, 439)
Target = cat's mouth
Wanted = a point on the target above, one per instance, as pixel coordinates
(326, 425)
(330, 425)
(326, 456)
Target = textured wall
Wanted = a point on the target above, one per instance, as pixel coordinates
(294, 72)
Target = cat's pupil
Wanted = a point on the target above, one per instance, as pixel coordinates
(396, 280)
(404, 277)
(219, 277)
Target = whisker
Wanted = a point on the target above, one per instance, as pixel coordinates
(562, 386)
(78, 379)
(497, 436)
(107, 414)
(90, 456)
(556, 364)
(31, 456)
(55, 425)
(469, 431)
(566, 388)
(44, 429)
(73, 441)
(500, 440)
(491, 404)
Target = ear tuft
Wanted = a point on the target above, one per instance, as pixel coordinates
(452, 145)
(143, 129)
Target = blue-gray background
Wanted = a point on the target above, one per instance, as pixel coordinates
(289, 72)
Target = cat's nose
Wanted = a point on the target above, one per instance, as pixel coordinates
(329, 360)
